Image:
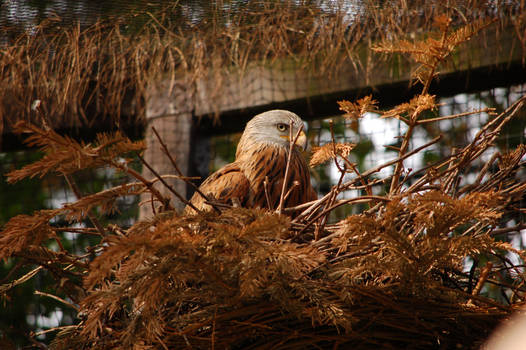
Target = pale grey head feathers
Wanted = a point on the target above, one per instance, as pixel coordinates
(272, 127)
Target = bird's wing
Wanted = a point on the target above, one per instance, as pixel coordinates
(227, 184)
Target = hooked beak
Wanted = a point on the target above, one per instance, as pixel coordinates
(300, 142)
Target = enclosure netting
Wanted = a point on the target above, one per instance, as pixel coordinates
(257, 85)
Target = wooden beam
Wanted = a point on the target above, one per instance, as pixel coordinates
(487, 61)
(389, 95)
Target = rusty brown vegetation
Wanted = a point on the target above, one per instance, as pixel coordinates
(391, 276)
(83, 74)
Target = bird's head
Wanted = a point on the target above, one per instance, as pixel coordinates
(273, 127)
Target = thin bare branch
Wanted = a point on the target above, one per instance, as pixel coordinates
(176, 167)
(167, 185)
(292, 144)
(59, 299)
(5, 287)
(72, 184)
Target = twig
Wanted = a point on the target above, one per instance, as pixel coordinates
(267, 195)
(59, 299)
(167, 185)
(333, 139)
(5, 287)
(90, 215)
(475, 148)
(152, 203)
(316, 204)
(161, 342)
(401, 153)
(394, 161)
(294, 185)
(472, 274)
(79, 230)
(501, 231)
(364, 251)
(488, 110)
(179, 172)
(300, 206)
(54, 329)
(511, 110)
(484, 138)
(292, 142)
(219, 204)
(362, 199)
(481, 174)
(361, 187)
(453, 174)
(147, 183)
(335, 190)
(366, 185)
(483, 277)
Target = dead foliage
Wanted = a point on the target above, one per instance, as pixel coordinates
(83, 75)
(330, 151)
(392, 276)
(356, 110)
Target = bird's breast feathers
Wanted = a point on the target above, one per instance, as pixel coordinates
(256, 179)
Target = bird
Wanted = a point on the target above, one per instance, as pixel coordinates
(255, 178)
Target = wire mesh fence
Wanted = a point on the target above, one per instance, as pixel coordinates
(373, 136)
(376, 137)
(375, 140)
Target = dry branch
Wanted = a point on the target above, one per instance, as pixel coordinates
(178, 171)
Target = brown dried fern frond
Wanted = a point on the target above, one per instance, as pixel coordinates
(105, 200)
(433, 50)
(356, 110)
(413, 108)
(439, 213)
(423, 241)
(329, 151)
(226, 258)
(64, 155)
(23, 231)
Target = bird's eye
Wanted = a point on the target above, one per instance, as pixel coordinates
(282, 127)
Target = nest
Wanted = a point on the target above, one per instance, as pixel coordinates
(391, 276)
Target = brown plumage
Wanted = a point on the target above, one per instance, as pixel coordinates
(262, 153)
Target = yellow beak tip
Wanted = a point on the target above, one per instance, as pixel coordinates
(300, 142)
